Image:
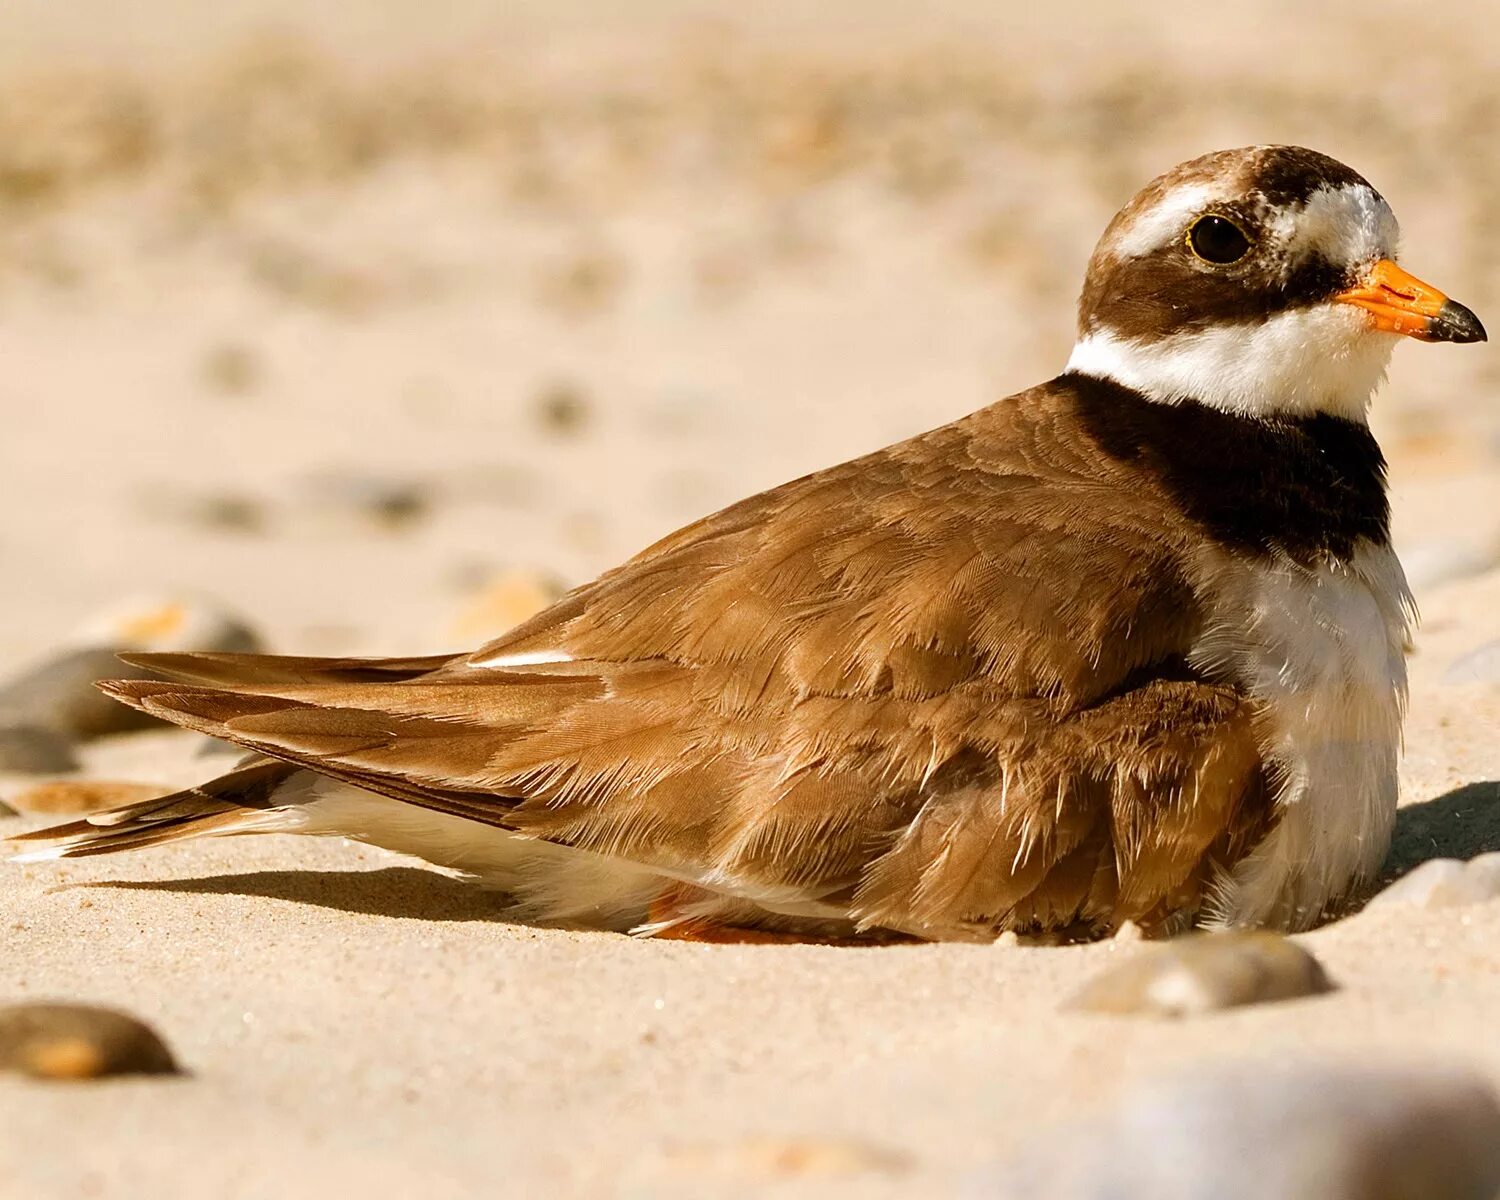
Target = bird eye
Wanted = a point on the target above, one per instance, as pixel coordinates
(1218, 240)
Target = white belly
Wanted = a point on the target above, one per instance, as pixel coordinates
(1323, 649)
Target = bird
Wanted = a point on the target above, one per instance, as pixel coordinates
(1125, 647)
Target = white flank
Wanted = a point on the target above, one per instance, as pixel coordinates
(545, 882)
(1325, 358)
(1323, 649)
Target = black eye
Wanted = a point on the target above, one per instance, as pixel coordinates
(1218, 240)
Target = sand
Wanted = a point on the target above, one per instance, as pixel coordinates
(250, 263)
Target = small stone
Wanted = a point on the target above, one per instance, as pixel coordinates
(563, 408)
(386, 502)
(582, 284)
(77, 1041)
(1481, 665)
(796, 1158)
(73, 796)
(59, 697)
(35, 750)
(215, 510)
(1431, 563)
(1304, 1132)
(1444, 883)
(1129, 931)
(232, 512)
(1008, 939)
(787, 1158)
(505, 601)
(170, 623)
(58, 694)
(1204, 972)
(232, 368)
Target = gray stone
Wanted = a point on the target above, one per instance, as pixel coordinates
(1481, 665)
(1428, 564)
(1444, 883)
(379, 500)
(34, 750)
(1204, 972)
(58, 694)
(79, 1041)
(563, 408)
(232, 368)
(1256, 1132)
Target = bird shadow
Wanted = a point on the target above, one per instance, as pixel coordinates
(1457, 824)
(407, 892)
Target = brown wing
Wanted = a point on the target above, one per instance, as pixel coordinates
(925, 685)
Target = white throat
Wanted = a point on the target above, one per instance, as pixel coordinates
(1322, 359)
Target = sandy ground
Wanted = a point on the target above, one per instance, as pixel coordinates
(254, 266)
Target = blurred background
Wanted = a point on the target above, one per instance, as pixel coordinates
(377, 323)
(381, 322)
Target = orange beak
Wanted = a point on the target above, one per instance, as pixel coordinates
(1402, 303)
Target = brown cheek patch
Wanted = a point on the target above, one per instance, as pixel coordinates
(1168, 291)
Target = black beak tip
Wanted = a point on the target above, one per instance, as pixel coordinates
(1455, 323)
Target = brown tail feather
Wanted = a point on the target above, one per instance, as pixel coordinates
(252, 671)
(230, 803)
(306, 736)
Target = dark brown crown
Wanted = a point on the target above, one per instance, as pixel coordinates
(1167, 288)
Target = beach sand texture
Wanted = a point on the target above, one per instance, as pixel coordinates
(376, 326)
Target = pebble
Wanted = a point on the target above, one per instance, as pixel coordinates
(582, 284)
(73, 796)
(58, 695)
(1204, 972)
(169, 623)
(1431, 563)
(1272, 1132)
(386, 502)
(1444, 883)
(35, 750)
(78, 1041)
(1481, 665)
(230, 512)
(786, 1158)
(563, 408)
(505, 601)
(232, 368)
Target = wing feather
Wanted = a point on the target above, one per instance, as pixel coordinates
(941, 685)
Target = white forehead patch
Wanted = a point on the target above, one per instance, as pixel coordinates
(1346, 226)
(1163, 222)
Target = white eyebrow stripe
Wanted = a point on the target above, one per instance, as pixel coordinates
(528, 658)
(1163, 222)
